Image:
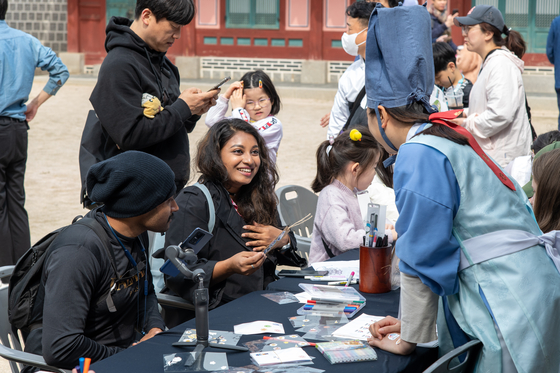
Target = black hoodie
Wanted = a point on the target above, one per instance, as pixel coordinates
(126, 73)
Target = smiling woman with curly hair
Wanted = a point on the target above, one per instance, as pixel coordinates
(235, 168)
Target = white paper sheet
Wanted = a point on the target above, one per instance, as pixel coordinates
(357, 329)
(339, 268)
(259, 327)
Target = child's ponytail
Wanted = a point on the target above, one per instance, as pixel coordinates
(332, 159)
(324, 170)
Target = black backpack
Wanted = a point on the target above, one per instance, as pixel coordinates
(358, 116)
(25, 309)
(91, 152)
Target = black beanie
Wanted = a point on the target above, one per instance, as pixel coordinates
(130, 184)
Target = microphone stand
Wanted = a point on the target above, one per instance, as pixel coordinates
(178, 256)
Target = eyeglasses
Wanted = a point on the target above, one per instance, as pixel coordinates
(466, 29)
(263, 102)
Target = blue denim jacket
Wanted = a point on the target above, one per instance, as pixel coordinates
(553, 49)
(20, 54)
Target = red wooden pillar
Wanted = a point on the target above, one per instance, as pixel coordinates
(72, 27)
(86, 29)
(185, 45)
(316, 30)
(190, 39)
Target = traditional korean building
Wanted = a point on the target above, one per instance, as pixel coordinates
(293, 40)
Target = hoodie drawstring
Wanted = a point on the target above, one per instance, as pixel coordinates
(158, 79)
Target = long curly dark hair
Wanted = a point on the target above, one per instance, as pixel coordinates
(256, 201)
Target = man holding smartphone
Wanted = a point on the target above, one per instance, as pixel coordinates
(137, 98)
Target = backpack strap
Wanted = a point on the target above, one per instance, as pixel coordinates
(211, 209)
(329, 252)
(100, 232)
(528, 108)
(355, 105)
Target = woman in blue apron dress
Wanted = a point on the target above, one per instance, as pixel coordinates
(472, 254)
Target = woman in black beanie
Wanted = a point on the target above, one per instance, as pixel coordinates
(236, 170)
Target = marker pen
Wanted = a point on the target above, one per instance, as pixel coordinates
(86, 365)
(349, 279)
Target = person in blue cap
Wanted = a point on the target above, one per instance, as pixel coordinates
(497, 113)
(472, 257)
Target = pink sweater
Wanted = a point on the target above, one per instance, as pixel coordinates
(338, 221)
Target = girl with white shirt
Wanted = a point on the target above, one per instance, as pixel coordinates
(254, 100)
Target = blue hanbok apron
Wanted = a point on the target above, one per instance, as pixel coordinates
(509, 288)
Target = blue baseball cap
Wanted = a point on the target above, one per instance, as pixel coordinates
(482, 14)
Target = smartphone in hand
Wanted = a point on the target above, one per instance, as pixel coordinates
(196, 240)
(221, 83)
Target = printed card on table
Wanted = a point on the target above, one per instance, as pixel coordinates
(259, 327)
(289, 355)
(214, 336)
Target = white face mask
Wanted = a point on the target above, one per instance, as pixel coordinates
(349, 43)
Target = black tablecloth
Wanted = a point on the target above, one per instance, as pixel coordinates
(148, 356)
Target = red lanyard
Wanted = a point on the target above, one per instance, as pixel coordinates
(235, 206)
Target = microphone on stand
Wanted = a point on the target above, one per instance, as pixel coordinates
(180, 257)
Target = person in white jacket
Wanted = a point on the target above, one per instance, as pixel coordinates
(353, 81)
(497, 116)
(254, 100)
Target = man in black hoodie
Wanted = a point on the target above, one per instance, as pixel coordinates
(96, 298)
(137, 96)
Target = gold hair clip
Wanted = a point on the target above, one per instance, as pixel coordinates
(260, 83)
(355, 135)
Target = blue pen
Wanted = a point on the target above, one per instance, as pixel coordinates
(82, 360)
